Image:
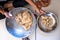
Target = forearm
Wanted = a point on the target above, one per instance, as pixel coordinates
(32, 4)
(2, 11)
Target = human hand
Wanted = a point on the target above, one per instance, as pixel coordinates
(7, 14)
(42, 11)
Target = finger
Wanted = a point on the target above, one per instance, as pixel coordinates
(8, 15)
(42, 12)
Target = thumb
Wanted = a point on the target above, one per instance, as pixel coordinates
(8, 15)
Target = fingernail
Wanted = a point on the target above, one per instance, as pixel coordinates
(10, 14)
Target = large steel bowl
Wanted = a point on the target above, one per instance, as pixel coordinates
(16, 29)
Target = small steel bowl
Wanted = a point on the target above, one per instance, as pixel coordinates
(43, 27)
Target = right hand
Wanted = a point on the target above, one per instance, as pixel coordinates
(42, 11)
(39, 10)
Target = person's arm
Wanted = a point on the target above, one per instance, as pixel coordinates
(2, 11)
(35, 6)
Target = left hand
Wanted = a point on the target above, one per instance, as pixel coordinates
(7, 14)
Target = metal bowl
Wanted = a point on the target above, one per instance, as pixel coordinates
(16, 29)
(54, 24)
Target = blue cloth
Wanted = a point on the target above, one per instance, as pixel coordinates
(19, 3)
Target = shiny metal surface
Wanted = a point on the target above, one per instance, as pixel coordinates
(16, 29)
(54, 24)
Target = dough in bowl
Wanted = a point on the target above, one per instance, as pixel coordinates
(24, 19)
